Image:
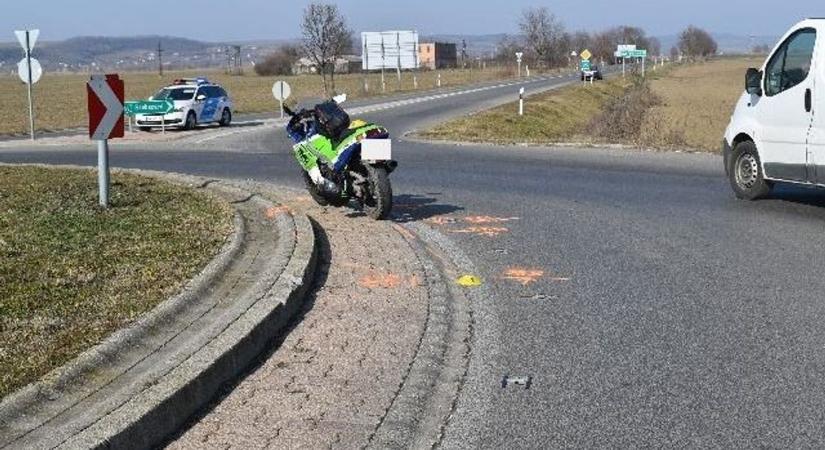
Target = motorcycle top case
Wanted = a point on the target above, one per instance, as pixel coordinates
(332, 119)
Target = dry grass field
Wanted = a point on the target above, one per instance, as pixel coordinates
(696, 103)
(60, 99)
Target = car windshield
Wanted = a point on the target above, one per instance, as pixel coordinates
(175, 94)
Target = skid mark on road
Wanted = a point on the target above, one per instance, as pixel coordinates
(479, 220)
(526, 276)
(274, 211)
(483, 231)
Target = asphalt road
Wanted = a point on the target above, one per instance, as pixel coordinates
(667, 312)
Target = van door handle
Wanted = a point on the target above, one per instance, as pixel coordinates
(808, 105)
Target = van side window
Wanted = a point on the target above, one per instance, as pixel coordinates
(791, 64)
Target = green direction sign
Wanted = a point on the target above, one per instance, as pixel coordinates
(585, 65)
(634, 54)
(149, 107)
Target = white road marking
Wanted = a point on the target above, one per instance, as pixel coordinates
(376, 107)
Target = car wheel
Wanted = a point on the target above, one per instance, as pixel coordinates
(226, 118)
(191, 121)
(746, 177)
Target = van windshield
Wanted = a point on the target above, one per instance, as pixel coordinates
(175, 94)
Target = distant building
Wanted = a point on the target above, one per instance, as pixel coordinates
(344, 64)
(438, 55)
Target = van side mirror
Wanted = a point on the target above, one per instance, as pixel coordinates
(753, 82)
(200, 97)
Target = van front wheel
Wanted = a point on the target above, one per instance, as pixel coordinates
(746, 177)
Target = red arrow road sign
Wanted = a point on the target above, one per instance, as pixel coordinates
(105, 100)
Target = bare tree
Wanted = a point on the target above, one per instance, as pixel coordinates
(580, 40)
(545, 35)
(326, 38)
(654, 46)
(695, 42)
(603, 45)
(506, 50)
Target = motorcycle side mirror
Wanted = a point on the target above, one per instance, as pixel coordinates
(341, 98)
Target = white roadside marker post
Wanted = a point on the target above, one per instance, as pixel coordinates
(439, 80)
(527, 70)
(521, 102)
(103, 172)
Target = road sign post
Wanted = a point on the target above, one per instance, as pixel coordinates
(519, 55)
(105, 105)
(281, 91)
(29, 68)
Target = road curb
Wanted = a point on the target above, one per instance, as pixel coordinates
(43, 414)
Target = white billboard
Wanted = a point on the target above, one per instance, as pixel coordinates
(389, 50)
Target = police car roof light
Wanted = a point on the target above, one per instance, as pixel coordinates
(195, 81)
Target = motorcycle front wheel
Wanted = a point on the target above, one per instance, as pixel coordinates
(379, 203)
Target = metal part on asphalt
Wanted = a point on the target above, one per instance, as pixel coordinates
(508, 381)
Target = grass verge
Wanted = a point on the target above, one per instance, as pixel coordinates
(559, 115)
(71, 273)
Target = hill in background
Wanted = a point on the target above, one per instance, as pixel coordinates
(90, 53)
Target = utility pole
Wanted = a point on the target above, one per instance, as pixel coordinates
(160, 60)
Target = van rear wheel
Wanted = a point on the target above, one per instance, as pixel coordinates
(745, 174)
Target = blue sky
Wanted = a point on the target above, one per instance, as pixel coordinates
(279, 19)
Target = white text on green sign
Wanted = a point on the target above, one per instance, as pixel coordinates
(149, 107)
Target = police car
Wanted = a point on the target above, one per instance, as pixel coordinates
(196, 100)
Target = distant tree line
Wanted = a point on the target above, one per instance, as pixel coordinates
(546, 42)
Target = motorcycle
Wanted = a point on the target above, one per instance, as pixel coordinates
(344, 161)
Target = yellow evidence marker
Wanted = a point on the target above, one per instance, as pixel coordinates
(468, 281)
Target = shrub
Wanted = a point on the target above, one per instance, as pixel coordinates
(279, 62)
(622, 118)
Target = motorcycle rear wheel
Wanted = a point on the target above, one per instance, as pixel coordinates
(379, 205)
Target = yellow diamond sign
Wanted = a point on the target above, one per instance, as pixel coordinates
(586, 55)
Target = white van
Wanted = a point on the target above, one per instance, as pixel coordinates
(777, 132)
